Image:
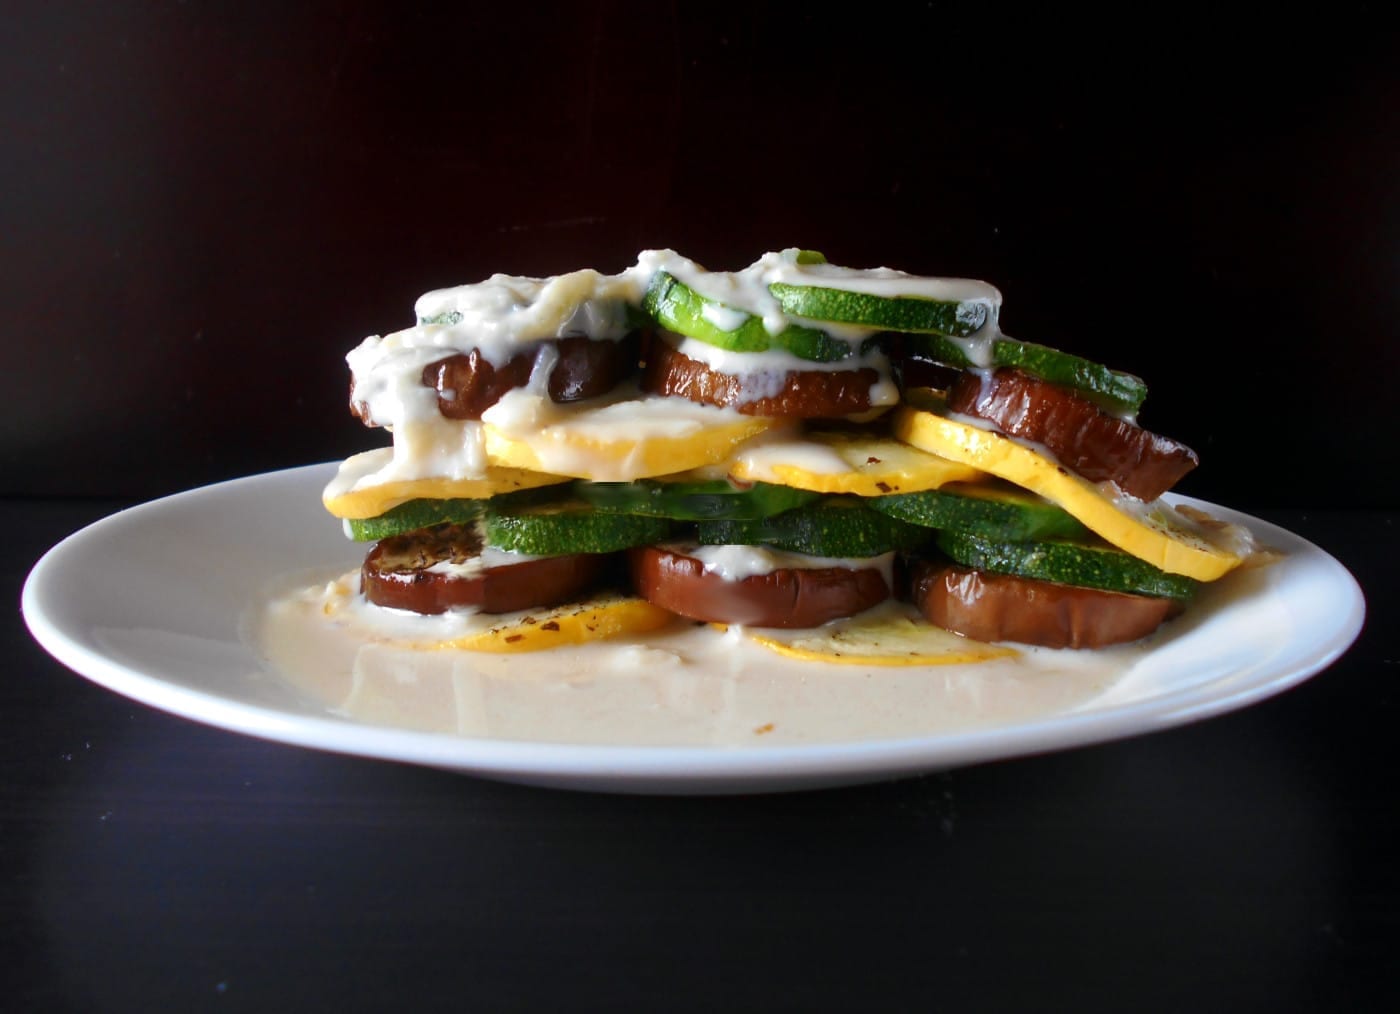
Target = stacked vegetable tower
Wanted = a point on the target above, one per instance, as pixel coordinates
(781, 447)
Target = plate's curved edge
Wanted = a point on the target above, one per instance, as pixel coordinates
(1344, 638)
(663, 769)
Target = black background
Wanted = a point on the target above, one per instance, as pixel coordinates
(205, 206)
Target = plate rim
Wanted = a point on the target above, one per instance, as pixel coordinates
(661, 768)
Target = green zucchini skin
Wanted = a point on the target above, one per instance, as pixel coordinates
(1070, 563)
(425, 513)
(680, 309)
(569, 526)
(995, 512)
(1116, 391)
(1111, 389)
(838, 526)
(888, 313)
(413, 515)
(693, 501)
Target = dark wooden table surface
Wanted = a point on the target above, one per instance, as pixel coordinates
(1245, 863)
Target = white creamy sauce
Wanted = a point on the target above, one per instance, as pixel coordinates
(683, 685)
(723, 317)
(1187, 523)
(759, 461)
(783, 268)
(623, 415)
(387, 373)
(505, 315)
(776, 362)
(498, 318)
(504, 312)
(592, 437)
(765, 374)
(735, 563)
(475, 566)
(747, 291)
(435, 446)
(461, 455)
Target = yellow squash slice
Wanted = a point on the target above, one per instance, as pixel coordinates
(840, 462)
(343, 500)
(885, 637)
(1152, 532)
(626, 440)
(604, 616)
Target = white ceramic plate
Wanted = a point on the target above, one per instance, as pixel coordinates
(148, 603)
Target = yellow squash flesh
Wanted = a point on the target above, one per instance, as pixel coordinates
(856, 463)
(371, 501)
(887, 637)
(586, 448)
(1152, 532)
(605, 616)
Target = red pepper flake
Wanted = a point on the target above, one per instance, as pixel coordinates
(551, 625)
(515, 637)
(872, 461)
(883, 487)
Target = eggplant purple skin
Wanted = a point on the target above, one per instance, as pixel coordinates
(802, 394)
(1083, 437)
(1003, 607)
(467, 384)
(791, 598)
(396, 574)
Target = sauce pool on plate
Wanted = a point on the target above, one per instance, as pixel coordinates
(683, 685)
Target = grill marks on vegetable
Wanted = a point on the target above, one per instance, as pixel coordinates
(399, 573)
